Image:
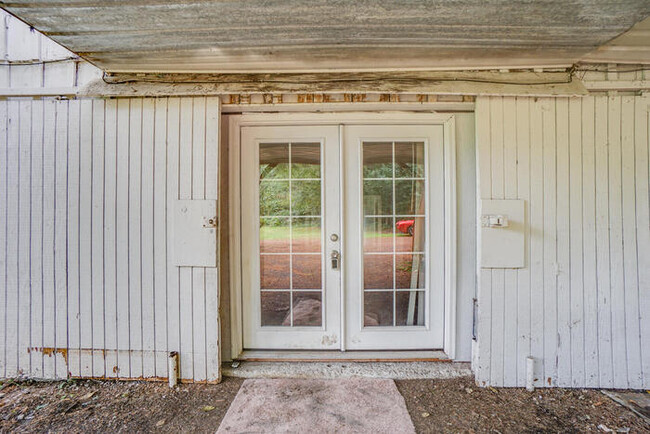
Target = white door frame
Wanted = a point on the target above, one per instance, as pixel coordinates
(360, 118)
(326, 335)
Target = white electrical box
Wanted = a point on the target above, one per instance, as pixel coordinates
(195, 233)
(503, 228)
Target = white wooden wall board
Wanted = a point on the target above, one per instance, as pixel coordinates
(4, 253)
(134, 238)
(11, 319)
(97, 260)
(59, 75)
(592, 374)
(575, 247)
(23, 252)
(36, 235)
(617, 282)
(60, 233)
(466, 233)
(642, 172)
(159, 229)
(82, 180)
(522, 138)
(588, 214)
(74, 188)
(146, 236)
(23, 43)
(536, 242)
(50, 50)
(631, 288)
(212, 325)
(3, 34)
(498, 276)
(19, 43)
(198, 324)
(172, 194)
(26, 76)
(122, 244)
(510, 276)
(484, 295)
(49, 131)
(198, 278)
(602, 245)
(186, 274)
(550, 240)
(563, 246)
(85, 236)
(110, 238)
(5, 77)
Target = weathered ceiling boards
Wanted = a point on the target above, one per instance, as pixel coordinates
(306, 35)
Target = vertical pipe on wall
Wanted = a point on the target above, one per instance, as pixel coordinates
(530, 374)
(173, 369)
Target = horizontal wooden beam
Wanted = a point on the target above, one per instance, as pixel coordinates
(9, 92)
(416, 82)
(350, 107)
(618, 85)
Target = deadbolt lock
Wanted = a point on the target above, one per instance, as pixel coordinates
(336, 259)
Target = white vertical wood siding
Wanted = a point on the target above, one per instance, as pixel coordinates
(30, 60)
(581, 306)
(87, 286)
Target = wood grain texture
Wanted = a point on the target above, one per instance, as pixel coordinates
(582, 167)
(87, 285)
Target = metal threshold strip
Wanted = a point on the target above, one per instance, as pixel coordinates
(343, 356)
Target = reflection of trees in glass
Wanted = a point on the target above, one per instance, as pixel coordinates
(378, 171)
(378, 196)
(274, 198)
(305, 198)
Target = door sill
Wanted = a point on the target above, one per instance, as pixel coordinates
(343, 356)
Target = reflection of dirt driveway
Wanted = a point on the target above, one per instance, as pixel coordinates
(378, 269)
(306, 274)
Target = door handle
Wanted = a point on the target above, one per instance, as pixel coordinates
(335, 256)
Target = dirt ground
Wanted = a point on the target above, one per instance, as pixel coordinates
(455, 405)
(110, 406)
(458, 405)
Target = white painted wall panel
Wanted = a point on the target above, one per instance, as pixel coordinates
(29, 60)
(582, 301)
(88, 287)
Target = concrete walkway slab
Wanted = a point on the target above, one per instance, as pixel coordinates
(317, 406)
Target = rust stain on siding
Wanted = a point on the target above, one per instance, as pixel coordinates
(50, 351)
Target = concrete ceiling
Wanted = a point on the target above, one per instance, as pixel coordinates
(321, 35)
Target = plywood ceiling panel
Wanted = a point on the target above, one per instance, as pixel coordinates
(276, 35)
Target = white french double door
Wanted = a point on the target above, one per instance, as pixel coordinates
(342, 237)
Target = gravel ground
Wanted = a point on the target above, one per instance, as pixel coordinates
(451, 405)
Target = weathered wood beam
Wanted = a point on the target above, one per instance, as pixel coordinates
(431, 82)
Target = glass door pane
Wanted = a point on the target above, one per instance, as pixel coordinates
(394, 235)
(290, 223)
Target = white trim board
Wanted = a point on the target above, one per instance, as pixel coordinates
(353, 118)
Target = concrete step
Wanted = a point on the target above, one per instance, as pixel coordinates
(393, 370)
